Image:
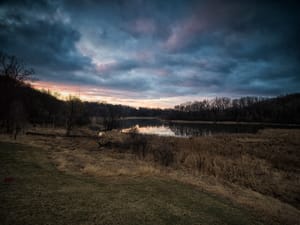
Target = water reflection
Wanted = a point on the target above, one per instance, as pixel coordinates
(164, 128)
(182, 129)
(157, 130)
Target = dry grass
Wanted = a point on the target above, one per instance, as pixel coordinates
(40, 194)
(270, 209)
(259, 171)
(268, 162)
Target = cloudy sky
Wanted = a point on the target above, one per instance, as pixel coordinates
(156, 53)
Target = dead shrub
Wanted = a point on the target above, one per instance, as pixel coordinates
(139, 145)
(164, 155)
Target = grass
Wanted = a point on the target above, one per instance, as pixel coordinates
(38, 193)
(268, 162)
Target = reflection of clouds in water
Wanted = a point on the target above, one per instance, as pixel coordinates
(161, 128)
(158, 130)
(187, 131)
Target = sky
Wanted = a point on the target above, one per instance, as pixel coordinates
(156, 53)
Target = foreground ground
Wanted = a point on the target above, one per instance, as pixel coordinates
(132, 179)
(33, 191)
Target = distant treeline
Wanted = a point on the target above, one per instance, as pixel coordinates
(282, 109)
(20, 101)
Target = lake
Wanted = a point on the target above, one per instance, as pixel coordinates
(188, 129)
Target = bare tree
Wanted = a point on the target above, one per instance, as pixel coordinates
(12, 67)
(18, 117)
(13, 73)
(73, 113)
(110, 117)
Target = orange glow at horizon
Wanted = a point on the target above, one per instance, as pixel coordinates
(96, 94)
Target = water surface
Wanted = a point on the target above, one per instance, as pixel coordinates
(188, 129)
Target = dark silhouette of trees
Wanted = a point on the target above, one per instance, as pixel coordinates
(13, 73)
(20, 104)
(18, 117)
(110, 117)
(282, 109)
(14, 68)
(74, 113)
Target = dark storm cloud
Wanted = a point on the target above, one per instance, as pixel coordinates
(37, 33)
(159, 48)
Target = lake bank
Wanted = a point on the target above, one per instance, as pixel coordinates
(212, 122)
(235, 123)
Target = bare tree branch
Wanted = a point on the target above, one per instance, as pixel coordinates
(12, 67)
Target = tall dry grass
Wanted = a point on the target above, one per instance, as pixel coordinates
(268, 162)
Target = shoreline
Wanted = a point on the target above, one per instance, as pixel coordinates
(213, 122)
(235, 123)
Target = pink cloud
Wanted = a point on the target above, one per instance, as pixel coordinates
(214, 14)
(184, 32)
(100, 94)
(96, 94)
(143, 26)
(86, 92)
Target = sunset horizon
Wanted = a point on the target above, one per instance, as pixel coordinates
(94, 94)
(154, 53)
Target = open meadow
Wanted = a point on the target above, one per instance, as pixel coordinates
(120, 178)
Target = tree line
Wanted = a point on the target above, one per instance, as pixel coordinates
(281, 109)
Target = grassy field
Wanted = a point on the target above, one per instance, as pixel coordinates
(267, 162)
(34, 191)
